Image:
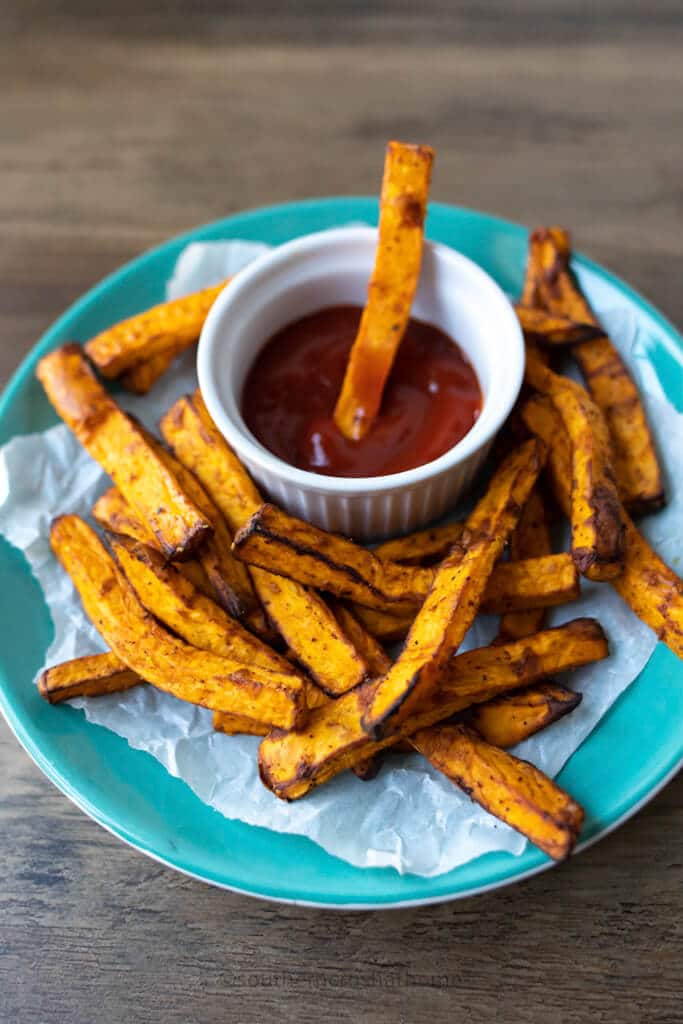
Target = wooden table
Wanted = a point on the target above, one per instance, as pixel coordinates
(119, 129)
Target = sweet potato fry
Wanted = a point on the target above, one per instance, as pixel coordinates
(553, 329)
(385, 627)
(334, 739)
(114, 514)
(200, 677)
(369, 648)
(514, 791)
(239, 725)
(636, 466)
(454, 598)
(530, 537)
(169, 327)
(374, 656)
(652, 590)
(507, 720)
(175, 602)
(531, 583)
(403, 207)
(91, 676)
(544, 421)
(598, 529)
(531, 288)
(424, 547)
(302, 618)
(648, 585)
(274, 540)
(141, 378)
(228, 576)
(288, 546)
(191, 434)
(118, 444)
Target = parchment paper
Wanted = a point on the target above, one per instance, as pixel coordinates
(410, 817)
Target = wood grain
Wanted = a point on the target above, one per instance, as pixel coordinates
(123, 123)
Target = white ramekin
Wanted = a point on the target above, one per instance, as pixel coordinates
(331, 268)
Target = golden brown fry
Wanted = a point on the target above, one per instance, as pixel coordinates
(533, 583)
(636, 466)
(403, 207)
(598, 529)
(171, 326)
(648, 586)
(114, 514)
(553, 329)
(514, 791)
(200, 677)
(334, 739)
(112, 511)
(194, 572)
(285, 545)
(544, 421)
(377, 660)
(172, 599)
(369, 648)
(423, 547)
(531, 295)
(301, 617)
(91, 676)
(281, 543)
(229, 578)
(652, 590)
(507, 720)
(239, 725)
(530, 537)
(120, 447)
(453, 601)
(190, 432)
(385, 627)
(141, 378)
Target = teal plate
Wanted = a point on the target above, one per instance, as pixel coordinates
(633, 752)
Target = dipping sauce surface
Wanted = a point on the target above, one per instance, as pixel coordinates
(431, 399)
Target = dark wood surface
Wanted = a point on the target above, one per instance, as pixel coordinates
(122, 126)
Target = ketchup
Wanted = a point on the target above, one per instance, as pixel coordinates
(431, 399)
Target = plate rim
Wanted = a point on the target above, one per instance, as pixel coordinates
(673, 342)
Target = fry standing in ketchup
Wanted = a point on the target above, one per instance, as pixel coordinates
(431, 399)
(367, 392)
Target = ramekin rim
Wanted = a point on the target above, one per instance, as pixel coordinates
(249, 449)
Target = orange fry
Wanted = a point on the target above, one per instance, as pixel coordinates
(301, 616)
(514, 791)
(453, 601)
(636, 465)
(648, 585)
(197, 676)
(553, 329)
(598, 529)
(171, 326)
(121, 447)
(530, 537)
(403, 206)
(142, 377)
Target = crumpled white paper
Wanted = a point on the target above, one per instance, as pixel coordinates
(410, 817)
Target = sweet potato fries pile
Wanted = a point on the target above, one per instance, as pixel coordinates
(281, 629)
